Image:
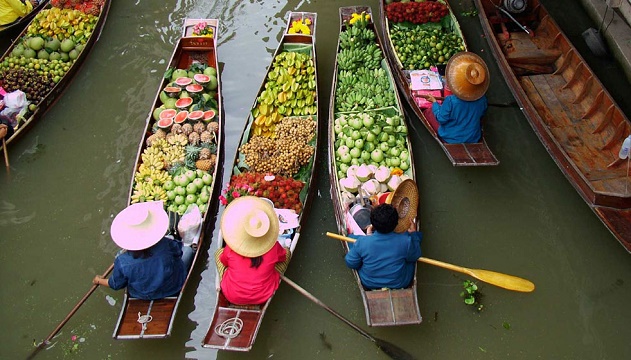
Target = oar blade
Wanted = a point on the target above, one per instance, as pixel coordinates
(505, 281)
(395, 352)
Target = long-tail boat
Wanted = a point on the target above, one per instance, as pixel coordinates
(287, 101)
(177, 143)
(380, 167)
(570, 110)
(415, 44)
(22, 21)
(30, 78)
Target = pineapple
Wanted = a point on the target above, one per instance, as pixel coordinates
(187, 129)
(206, 136)
(213, 127)
(192, 153)
(160, 134)
(193, 138)
(206, 165)
(176, 129)
(199, 127)
(204, 153)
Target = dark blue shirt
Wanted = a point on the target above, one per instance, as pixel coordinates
(385, 260)
(459, 119)
(155, 277)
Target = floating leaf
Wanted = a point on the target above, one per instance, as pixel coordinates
(506, 325)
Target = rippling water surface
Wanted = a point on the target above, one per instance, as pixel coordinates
(70, 174)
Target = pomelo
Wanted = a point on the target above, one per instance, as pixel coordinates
(170, 103)
(165, 123)
(209, 115)
(210, 71)
(212, 84)
(183, 81)
(194, 88)
(163, 96)
(181, 117)
(67, 45)
(168, 113)
(156, 113)
(196, 115)
(183, 103)
(178, 73)
(184, 94)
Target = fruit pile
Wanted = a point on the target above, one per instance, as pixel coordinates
(416, 12)
(284, 154)
(362, 82)
(181, 153)
(92, 7)
(290, 89)
(421, 34)
(40, 59)
(284, 192)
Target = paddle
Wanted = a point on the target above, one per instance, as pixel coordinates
(6, 155)
(511, 104)
(494, 278)
(70, 314)
(391, 350)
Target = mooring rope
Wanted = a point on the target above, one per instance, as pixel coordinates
(144, 319)
(230, 328)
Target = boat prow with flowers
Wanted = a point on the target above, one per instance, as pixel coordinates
(178, 162)
(370, 152)
(275, 160)
(419, 39)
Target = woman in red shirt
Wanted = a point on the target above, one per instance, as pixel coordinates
(250, 226)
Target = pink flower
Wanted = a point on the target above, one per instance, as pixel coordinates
(235, 194)
(73, 338)
(223, 200)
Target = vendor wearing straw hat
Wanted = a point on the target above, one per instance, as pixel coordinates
(386, 257)
(457, 120)
(250, 262)
(154, 265)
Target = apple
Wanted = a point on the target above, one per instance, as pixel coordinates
(384, 146)
(371, 137)
(404, 155)
(365, 155)
(404, 165)
(343, 150)
(376, 155)
(395, 161)
(199, 183)
(169, 185)
(179, 200)
(355, 152)
(191, 188)
(190, 175)
(346, 158)
(355, 135)
(204, 198)
(180, 190)
(171, 195)
(199, 172)
(356, 123)
(181, 209)
(368, 121)
(207, 179)
(359, 143)
(190, 199)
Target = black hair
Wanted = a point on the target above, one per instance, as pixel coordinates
(384, 218)
(255, 262)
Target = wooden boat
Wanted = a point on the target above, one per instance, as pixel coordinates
(569, 109)
(19, 22)
(272, 109)
(465, 154)
(55, 92)
(190, 51)
(382, 307)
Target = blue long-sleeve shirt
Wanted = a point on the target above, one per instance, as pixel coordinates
(385, 260)
(158, 276)
(459, 119)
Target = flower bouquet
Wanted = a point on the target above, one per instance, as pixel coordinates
(203, 29)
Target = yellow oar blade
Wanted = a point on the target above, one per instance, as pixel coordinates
(505, 281)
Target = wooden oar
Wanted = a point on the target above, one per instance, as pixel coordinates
(70, 314)
(505, 281)
(6, 154)
(391, 350)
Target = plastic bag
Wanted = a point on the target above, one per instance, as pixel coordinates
(15, 103)
(190, 225)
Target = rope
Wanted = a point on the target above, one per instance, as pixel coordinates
(144, 319)
(230, 328)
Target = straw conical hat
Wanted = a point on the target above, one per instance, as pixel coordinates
(467, 76)
(405, 200)
(249, 226)
(140, 226)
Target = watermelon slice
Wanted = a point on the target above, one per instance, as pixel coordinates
(194, 88)
(168, 113)
(201, 78)
(172, 91)
(183, 103)
(209, 115)
(165, 123)
(181, 117)
(183, 81)
(196, 115)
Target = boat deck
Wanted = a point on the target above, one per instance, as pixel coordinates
(159, 312)
(230, 315)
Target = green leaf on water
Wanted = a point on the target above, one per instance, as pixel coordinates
(482, 349)
(506, 325)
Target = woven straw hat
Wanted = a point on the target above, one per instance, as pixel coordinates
(405, 200)
(467, 76)
(250, 226)
(140, 226)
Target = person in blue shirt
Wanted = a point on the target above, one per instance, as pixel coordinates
(458, 119)
(155, 264)
(384, 258)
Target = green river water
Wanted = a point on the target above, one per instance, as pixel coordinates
(70, 175)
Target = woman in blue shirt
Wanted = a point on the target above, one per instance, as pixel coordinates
(384, 258)
(458, 119)
(154, 265)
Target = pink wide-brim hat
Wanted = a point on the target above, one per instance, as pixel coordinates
(140, 226)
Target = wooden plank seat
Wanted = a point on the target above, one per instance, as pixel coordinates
(158, 312)
(391, 307)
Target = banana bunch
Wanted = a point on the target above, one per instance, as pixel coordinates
(146, 174)
(153, 157)
(356, 36)
(144, 191)
(353, 101)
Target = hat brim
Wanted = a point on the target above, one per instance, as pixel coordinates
(234, 233)
(135, 238)
(405, 200)
(460, 88)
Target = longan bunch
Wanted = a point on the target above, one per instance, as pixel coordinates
(297, 128)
